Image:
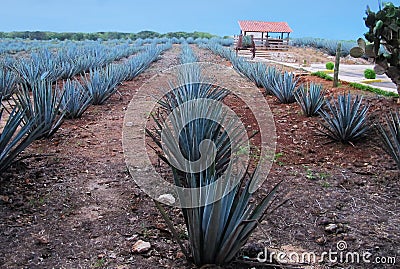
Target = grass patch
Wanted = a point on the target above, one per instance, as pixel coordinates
(372, 89)
(323, 75)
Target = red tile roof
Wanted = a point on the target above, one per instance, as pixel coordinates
(262, 26)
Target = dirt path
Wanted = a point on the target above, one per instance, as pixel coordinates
(76, 206)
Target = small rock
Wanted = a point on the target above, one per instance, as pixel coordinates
(320, 241)
(179, 255)
(166, 199)
(141, 246)
(324, 221)
(133, 237)
(5, 199)
(112, 255)
(43, 240)
(331, 228)
(349, 237)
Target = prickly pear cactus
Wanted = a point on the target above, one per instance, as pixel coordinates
(384, 29)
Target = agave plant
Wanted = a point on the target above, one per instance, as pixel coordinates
(142, 61)
(191, 86)
(43, 105)
(29, 71)
(71, 68)
(267, 81)
(218, 228)
(187, 54)
(311, 98)
(345, 120)
(254, 71)
(283, 87)
(390, 135)
(41, 65)
(75, 99)
(8, 79)
(15, 136)
(102, 83)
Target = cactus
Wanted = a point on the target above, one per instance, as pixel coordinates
(336, 66)
(384, 29)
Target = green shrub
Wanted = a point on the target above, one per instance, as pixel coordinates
(369, 74)
(322, 75)
(330, 65)
(372, 89)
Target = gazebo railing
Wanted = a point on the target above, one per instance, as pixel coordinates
(268, 43)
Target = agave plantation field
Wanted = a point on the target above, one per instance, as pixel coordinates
(68, 199)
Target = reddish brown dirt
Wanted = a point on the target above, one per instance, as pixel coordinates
(72, 204)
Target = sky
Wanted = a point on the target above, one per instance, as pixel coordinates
(334, 19)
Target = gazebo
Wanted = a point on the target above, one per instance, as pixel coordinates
(266, 35)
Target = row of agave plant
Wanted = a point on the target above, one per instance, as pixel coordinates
(187, 55)
(12, 46)
(64, 63)
(218, 229)
(72, 59)
(327, 45)
(345, 119)
(37, 110)
(15, 45)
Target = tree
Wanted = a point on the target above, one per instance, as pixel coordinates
(384, 29)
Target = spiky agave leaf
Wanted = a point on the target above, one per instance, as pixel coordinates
(219, 228)
(310, 99)
(75, 100)
(8, 80)
(191, 86)
(15, 136)
(267, 81)
(345, 120)
(254, 71)
(187, 54)
(43, 105)
(283, 87)
(102, 83)
(137, 64)
(389, 134)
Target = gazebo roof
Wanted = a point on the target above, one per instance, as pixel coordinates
(263, 26)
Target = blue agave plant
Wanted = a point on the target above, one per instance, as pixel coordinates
(311, 98)
(345, 120)
(389, 134)
(217, 229)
